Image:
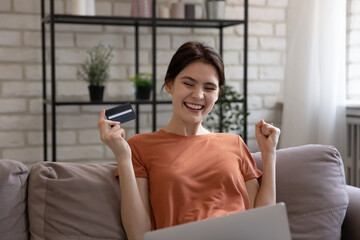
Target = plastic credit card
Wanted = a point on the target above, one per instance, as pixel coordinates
(122, 113)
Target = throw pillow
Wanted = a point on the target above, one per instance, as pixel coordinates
(74, 201)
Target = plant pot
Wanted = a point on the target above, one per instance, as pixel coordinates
(96, 93)
(215, 9)
(143, 93)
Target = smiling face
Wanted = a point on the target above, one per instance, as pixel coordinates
(194, 92)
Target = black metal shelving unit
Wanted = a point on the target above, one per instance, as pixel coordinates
(52, 19)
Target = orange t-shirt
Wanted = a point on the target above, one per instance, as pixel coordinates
(193, 177)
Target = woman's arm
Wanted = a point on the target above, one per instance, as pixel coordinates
(135, 206)
(267, 137)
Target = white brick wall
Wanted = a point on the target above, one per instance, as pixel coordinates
(19, 21)
(278, 3)
(5, 5)
(20, 122)
(12, 139)
(21, 133)
(26, 154)
(10, 38)
(15, 105)
(10, 71)
(260, 29)
(266, 14)
(21, 54)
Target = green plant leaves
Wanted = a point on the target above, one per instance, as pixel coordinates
(142, 79)
(227, 114)
(95, 69)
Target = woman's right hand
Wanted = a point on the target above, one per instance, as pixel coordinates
(113, 136)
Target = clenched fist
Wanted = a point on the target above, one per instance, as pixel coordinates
(267, 136)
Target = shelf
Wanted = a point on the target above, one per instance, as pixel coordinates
(74, 102)
(129, 21)
(118, 102)
(154, 23)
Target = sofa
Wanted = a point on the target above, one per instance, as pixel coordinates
(57, 200)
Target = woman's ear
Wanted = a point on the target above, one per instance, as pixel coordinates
(168, 87)
(218, 94)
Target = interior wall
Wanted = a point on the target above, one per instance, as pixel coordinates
(77, 135)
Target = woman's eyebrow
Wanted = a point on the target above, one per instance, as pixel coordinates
(189, 78)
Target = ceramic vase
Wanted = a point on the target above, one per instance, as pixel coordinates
(215, 9)
(141, 8)
(177, 10)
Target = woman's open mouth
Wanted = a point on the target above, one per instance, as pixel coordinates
(194, 107)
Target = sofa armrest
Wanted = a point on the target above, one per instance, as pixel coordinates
(310, 180)
(13, 197)
(350, 227)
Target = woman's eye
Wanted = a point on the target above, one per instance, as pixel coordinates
(210, 89)
(187, 84)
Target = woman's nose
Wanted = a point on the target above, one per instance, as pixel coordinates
(198, 93)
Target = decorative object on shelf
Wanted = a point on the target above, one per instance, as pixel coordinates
(90, 7)
(215, 9)
(229, 111)
(95, 70)
(141, 8)
(143, 83)
(134, 12)
(164, 12)
(199, 12)
(83, 7)
(79, 7)
(177, 10)
(190, 11)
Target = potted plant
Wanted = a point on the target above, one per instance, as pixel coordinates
(215, 9)
(227, 114)
(95, 70)
(143, 83)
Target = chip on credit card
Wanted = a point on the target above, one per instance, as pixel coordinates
(122, 113)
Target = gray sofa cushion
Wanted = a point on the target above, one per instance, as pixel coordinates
(74, 201)
(13, 190)
(311, 182)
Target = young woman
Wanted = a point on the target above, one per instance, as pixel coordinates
(184, 172)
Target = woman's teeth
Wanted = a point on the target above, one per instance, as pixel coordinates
(193, 106)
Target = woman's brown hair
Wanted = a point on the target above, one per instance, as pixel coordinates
(194, 51)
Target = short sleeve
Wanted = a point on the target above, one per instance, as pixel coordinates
(138, 164)
(248, 166)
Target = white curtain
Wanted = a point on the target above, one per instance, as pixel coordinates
(315, 78)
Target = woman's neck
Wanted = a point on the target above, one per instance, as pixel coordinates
(184, 129)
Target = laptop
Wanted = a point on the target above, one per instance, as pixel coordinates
(268, 223)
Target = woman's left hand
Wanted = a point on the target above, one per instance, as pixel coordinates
(267, 136)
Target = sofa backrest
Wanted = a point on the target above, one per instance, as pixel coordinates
(310, 180)
(82, 201)
(13, 191)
